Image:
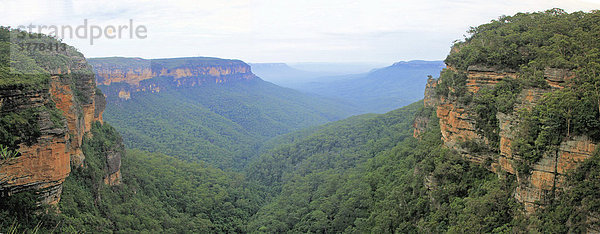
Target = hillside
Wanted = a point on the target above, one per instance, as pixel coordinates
(520, 96)
(48, 103)
(380, 90)
(506, 142)
(207, 109)
(62, 170)
(368, 174)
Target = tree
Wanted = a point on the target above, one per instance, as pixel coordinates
(6, 156)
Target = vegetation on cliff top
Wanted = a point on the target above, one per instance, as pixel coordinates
(552, 38)
(27, 72)
(531, 44)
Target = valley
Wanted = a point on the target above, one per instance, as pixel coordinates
(500, 137)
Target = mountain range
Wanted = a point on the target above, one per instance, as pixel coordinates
(378, 91)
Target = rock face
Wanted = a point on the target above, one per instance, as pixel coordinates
(122, 77)
(43, 165)
(421, 121)
(45, 162)
(457, 124)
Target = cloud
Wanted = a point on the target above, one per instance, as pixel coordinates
(280, 31)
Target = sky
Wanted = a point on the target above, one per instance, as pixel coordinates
(374, 31)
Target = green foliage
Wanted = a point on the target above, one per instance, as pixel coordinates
(21, 212)
(367, 174)
(29, 69)
(576, 207)
(453, 84)
(557, 116)
(487, 102)
(224, 125)
(7, 154)
(20, 126)
(552, 38)
(159, 194)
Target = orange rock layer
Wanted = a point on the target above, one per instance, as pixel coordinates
(44, 165)
(133, 76)
(457, 125)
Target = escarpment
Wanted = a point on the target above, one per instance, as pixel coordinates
(120, 77)
(516, 100)
(458, 122)
(46, 113)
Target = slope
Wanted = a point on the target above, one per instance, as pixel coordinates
(367, 174)
(223, 124)
(380, 90)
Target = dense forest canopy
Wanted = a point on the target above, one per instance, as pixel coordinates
(364, 174)
(553, 38)
(221, 124)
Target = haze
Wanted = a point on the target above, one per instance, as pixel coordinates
(382, 31)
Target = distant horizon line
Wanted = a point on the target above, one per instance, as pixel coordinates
(278, 62)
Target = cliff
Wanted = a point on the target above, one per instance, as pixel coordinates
(120, 77)
(46, 113)
(458, 122)
(522, 102)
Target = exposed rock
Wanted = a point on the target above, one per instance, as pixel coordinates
(457, 124)
(122, 77)
(100, 105)
(480, 79)
(556, 77)
(44, 164)
(430, 101)
(113, 163)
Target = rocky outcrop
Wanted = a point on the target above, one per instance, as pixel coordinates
(457, 124)
(122, 77)
(430, 102)
(549, 173)
(63, 110)
(113, 164)
(43, 165)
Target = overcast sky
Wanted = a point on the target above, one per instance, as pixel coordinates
(382, 31)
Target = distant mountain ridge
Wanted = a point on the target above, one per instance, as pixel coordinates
(206, 109)
(380, 90)
(283, 74)
(129, 75)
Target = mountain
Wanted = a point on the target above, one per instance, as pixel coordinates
(337, 68)
(299, 74)
(534, 112)
(209, 109)
(380, 90)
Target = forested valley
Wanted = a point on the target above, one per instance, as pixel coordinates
(252, 157)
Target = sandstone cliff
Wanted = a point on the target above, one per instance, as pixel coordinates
(120, 77)
(60, 110)
(458, 119)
